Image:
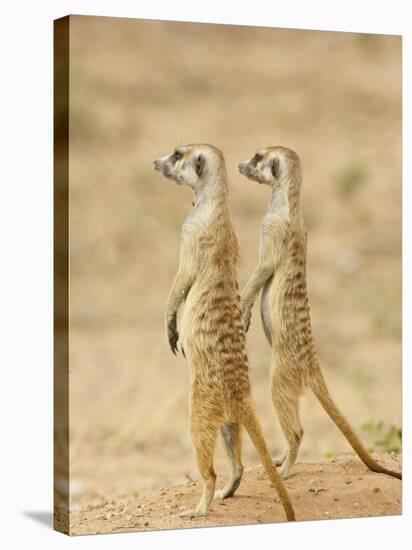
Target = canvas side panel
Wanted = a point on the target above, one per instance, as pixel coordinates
(61, 275)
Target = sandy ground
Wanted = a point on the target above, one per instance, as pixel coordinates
(136, 90)
(341, 487)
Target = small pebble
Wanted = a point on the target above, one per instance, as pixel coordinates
(376, 489)
(356, 505)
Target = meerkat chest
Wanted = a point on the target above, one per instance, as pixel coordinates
(193, 223)
(273, 234)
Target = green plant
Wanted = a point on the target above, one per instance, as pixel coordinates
(385, 439)
(350, 179)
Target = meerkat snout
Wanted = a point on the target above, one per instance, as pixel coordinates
(168, 166)
(242, 167)
(253, 171)
(159, 165)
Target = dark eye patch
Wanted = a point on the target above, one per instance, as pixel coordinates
(256, 158)
(177, 155)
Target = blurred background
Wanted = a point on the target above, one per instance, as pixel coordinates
(137, 89)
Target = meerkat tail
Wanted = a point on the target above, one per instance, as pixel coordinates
(254, 430)
(318, 385)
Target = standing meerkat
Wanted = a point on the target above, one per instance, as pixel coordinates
(281, 275)
(211, 329)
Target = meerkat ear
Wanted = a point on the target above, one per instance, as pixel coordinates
(276, 167)
(200, 164)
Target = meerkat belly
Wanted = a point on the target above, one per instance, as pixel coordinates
(213, 337)
(197, 319)
(280, 307)
(291, 321)
(189, 316)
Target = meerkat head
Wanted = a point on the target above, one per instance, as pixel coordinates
(271, 166)
(191, 165)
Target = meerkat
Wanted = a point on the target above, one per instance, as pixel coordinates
(211, 328)
(281, 276)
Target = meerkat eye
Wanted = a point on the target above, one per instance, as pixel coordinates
(177, 155)
(256, 158)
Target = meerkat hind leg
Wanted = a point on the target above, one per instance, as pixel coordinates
(231, 436)
(286, 402)
(204, 440)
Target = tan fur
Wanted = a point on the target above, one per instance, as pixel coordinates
(211, 329)
(281, 275)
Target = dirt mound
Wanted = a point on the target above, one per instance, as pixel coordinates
(340, 487)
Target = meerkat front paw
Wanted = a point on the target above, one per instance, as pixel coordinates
(172, 333)
(247, 315)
